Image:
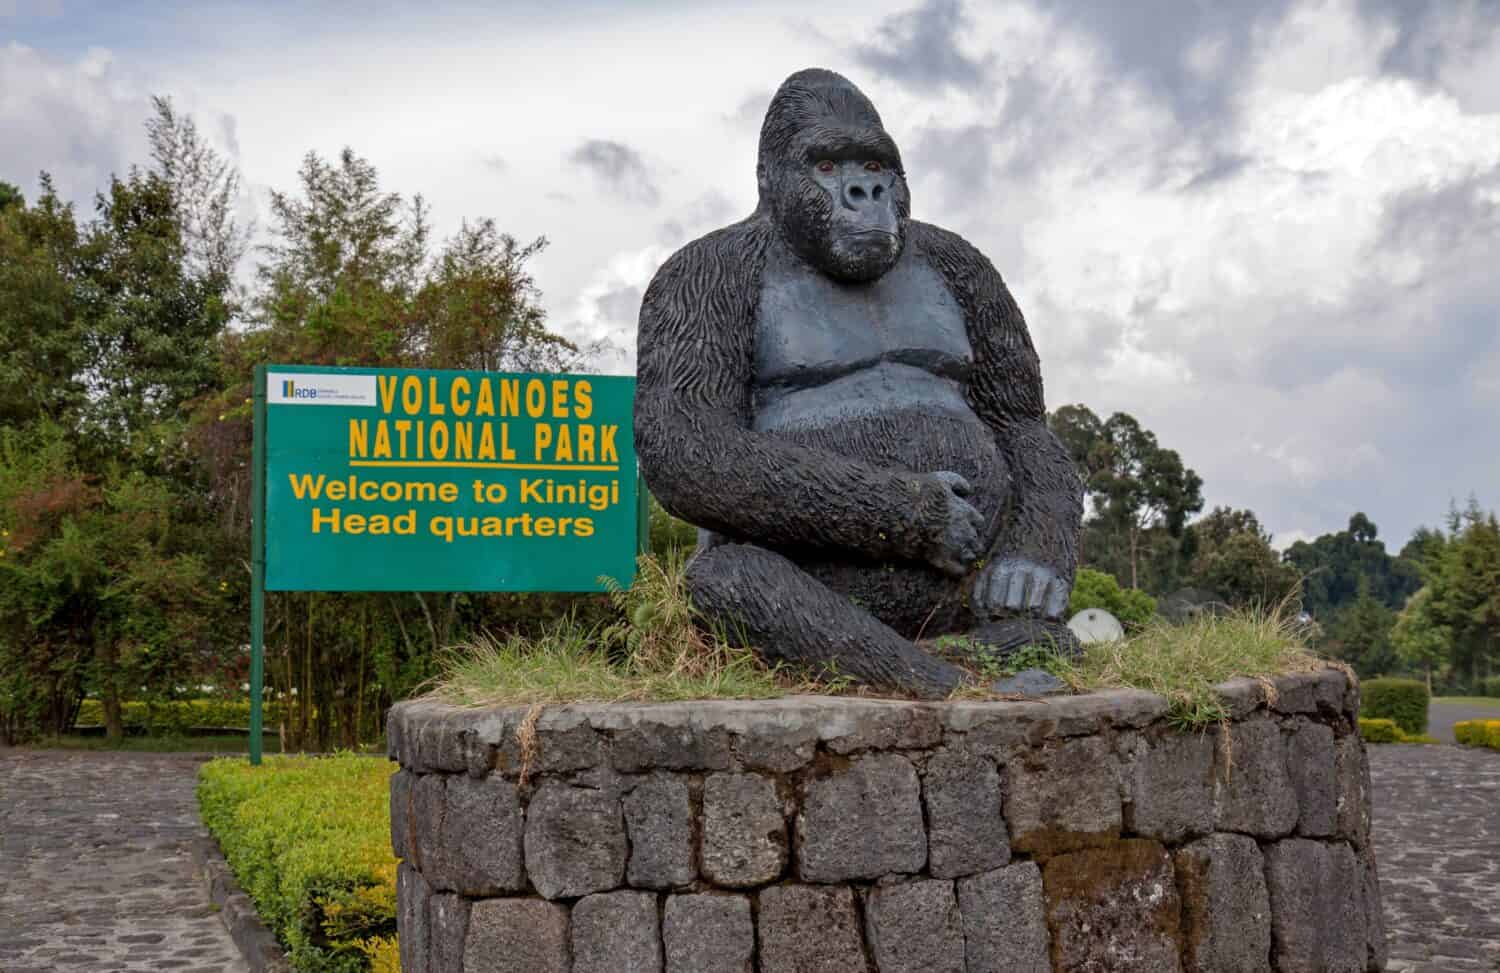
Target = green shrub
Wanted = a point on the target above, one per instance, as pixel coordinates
(1402, 700)
(1097, 589)
(1379, 731)
(1490, 686)
(309, 840)
(1478, 733)
(175, 717)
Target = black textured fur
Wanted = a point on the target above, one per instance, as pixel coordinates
(822, 541)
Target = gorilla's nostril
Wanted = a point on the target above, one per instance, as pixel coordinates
(856, 192)
(876, 192)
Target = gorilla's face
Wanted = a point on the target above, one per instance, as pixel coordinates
(842, 203)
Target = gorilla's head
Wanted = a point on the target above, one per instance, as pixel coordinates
(831, 177)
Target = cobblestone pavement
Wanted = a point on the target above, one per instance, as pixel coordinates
(1437, 842)
(96, 872)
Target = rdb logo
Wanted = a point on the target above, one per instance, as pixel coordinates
(290, 390)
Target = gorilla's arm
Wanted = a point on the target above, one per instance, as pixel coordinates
(1005, 391)
(693, 430)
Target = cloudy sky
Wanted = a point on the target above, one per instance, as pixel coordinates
(1269, 230)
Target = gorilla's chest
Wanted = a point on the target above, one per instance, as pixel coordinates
(831, 352)
(813, 329)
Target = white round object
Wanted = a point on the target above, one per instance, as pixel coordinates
(1096, 625)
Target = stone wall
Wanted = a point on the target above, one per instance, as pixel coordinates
(1074, 834)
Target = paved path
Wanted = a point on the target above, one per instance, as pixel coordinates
(1442, 716)
(95, 868)
(1437, 842)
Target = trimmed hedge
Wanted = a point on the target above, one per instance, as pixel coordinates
(1402, 700)
(1478, 733)
(308, 839)
(167, 718)
(1490, 686)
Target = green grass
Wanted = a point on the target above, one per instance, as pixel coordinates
(1490, 701)
(656, 653)
(1184, 662)
(224, 743)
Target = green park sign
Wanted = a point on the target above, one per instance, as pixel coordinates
(389, 479)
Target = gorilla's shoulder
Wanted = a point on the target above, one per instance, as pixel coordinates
(729, 248)
(944, 245)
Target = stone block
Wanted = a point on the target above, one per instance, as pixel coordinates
(708, 933)
(1311, 764)
(563, 741)
(1004, 921)
(806, 929)
(659, 820)
(863, 821)
(1375, 946)
(413, 896)
(487, 730)
(998, 729)
(1352, 765)
(1063, 796)
(401, 783)
(1317, 907)
(616, 932)
(1226, 910)
(1171, 787)
(1241, 696)
(516, 936)
(744, 832)
(965, 823)
(1254, 793)
(915, 927)
(1296, 693)
(448, 927)
(664, 736)
(395, 727)
(1114, 908)
(575, 841)
(428, 807)
(440, 742)
(481, 833)
(877, 724)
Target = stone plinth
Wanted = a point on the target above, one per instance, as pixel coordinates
(816, 833)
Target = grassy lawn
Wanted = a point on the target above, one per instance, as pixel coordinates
(1490, 701)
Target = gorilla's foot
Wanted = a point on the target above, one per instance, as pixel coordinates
(1004, 636)
(788, 615)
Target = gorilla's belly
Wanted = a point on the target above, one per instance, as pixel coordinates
(873, 371)
(892, 415)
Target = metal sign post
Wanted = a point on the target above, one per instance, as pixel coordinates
(258, 565)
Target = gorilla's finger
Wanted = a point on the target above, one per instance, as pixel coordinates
(954, 482)
(1015, 593)
(1041, 584)
(1057, 599)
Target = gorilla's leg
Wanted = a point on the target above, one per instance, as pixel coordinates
(789, 615)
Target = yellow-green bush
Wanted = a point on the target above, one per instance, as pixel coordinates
(178, 716)
(308, 839)
(1478, 733)
(1380, 731)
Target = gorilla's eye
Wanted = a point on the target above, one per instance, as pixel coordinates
(872, 166)
(825, 166)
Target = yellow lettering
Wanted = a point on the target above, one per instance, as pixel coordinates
(487, 441)
(460, 402)
(354, 524)
(583, 527)
(585, 444)
(387, 392)
(607, 452)
(486, 404)
(536, 398)
(411, 395)
(510, 397)
(559, 398)
(382, 440)
(319, 518)
(583, 399)
(304, 486)
(434, 404)
(359, 438)
(543, 438)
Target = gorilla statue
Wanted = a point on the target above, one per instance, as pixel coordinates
(847, 404)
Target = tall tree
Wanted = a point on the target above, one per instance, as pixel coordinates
(1466, 592)
(1139, 492)
(1233, 557)
(1334, 565)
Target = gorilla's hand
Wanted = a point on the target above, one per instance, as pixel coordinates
(1017, 585)
(954, 541)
